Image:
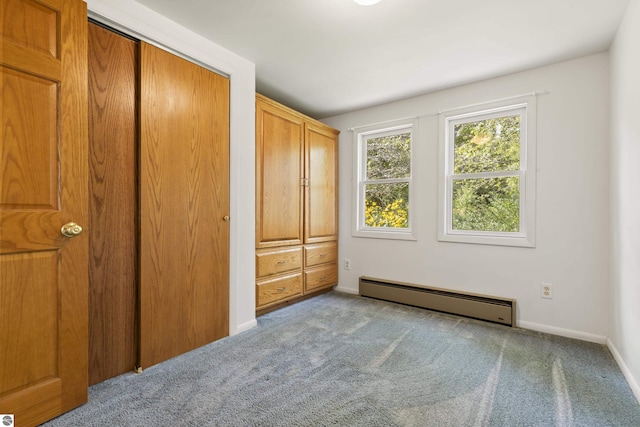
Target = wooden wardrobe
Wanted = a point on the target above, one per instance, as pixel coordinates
(296, 206)
(159, 205)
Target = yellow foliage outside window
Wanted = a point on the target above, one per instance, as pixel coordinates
(393, 215)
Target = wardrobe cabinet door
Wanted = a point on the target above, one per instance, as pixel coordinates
(321, 197)
(279, 174)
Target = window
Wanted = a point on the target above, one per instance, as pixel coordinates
(384, 182)
(487, 190)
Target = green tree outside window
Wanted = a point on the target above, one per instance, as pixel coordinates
(486, 203)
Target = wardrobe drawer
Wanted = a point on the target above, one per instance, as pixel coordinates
(274, 290)
(322, 253)
(274, 261)
(320, 277)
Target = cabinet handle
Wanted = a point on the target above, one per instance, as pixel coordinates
(323, 255)
(281, 262)
(281, 289)
(323, 278)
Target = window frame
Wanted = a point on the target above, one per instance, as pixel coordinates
(526, 108)
(359, 229)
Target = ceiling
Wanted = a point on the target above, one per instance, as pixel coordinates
(326, 57)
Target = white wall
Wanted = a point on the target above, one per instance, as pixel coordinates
(573, 219)
(625, 197)
(140, 21)
(572, 204)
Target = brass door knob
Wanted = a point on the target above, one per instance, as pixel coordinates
(71, 229)
(226, 218)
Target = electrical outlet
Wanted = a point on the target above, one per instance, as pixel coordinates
(546, 290)
(347, 264)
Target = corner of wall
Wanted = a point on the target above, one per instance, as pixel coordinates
(624, 274)
(635, 387)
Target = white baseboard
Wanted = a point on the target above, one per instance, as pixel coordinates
(347, 290)
(635, 387)
(569, 333)
(244, 327)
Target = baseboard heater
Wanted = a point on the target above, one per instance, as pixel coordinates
(483, 307)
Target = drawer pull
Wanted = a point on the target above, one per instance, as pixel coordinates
(323, 255)
(281, 262)
(281, 289)
(323, 278)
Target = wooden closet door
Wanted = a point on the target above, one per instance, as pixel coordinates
(112, 204)
(184, 186)
(43, 185)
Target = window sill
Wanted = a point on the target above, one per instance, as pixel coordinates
(523, 242)
(382, 234)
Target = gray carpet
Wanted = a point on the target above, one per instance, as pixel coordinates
(343, 360)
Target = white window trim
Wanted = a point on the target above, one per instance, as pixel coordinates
(527, 174)
(358, 229)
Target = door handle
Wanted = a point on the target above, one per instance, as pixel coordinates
(71, 229)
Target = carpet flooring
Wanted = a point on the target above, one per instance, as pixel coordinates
(344, 360)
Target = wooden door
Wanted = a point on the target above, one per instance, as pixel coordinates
(43, 185)
(184, 188)
(279, 171)
(321, 195)
(112, 204)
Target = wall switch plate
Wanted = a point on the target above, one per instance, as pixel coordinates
(347, 264)
(546, 290)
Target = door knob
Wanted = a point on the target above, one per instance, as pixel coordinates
(226, 218)
(71, 229)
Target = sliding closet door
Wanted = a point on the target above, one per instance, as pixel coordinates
(112, 204)
(184, 206)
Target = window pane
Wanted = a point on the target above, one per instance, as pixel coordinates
(389, 156)
(486, 204)
(490, 145)
(387, 205)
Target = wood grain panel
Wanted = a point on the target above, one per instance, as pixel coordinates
(321, 253)
(113, 204)
(279, 170)
(320, 277)
(44, 275)
(27, 99)
(272, 291)
(73, 195)
(29, 333)
(30, 230)
(274, 261)
(321, 196)
(31, 37)
(184, 185)
(39, 402)
(27, 16)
